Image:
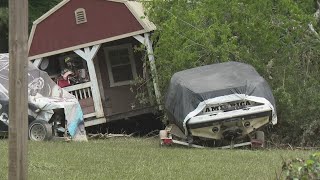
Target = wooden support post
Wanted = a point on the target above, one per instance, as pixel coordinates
(154, 74)
(18, 95)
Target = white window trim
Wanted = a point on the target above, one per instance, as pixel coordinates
(132, 62)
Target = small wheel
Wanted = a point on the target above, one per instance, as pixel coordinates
(40, 130)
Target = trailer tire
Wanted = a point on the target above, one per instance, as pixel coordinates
(40, 130)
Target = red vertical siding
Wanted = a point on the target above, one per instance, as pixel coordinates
(105, 19)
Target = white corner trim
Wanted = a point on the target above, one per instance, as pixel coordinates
(81, 54)
(136, 10)
(93, 51)
(33, 29)
(153, 68)
(149, 46)
(88, 54)
(136, 15)
(140, 39)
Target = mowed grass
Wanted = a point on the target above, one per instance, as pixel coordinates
(138, 158)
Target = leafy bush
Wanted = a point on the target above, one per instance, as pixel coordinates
(303, 169)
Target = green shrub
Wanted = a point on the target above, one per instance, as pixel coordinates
(303, 169)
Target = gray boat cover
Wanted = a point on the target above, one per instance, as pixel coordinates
(44, 95)
(190, 87)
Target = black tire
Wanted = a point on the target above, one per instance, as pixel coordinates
(40, 130)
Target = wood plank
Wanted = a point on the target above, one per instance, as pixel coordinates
(18, 94)
(76, 94)
(89, 115)
(89, 92)
(88, 110)
(140, 39)
(77, 86)
(86, 102)
(85, 93)
(94, 122)
(80, 92)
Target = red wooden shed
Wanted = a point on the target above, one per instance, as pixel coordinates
(94, 40)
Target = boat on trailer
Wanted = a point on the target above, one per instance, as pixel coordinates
(226, 104)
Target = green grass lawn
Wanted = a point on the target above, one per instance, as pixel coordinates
(137, 158)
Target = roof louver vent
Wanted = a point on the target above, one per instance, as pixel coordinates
(80, 15)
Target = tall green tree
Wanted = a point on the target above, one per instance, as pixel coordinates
(279, 38)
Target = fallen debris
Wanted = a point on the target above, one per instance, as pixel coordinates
(107, 136)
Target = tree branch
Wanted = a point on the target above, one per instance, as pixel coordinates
(313, 30)
(317, 17)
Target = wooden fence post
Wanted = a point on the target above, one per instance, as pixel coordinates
(18, 95)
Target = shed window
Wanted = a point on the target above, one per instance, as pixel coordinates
(80, 15)
(121, 65)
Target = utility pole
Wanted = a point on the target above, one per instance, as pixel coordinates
(18, 95)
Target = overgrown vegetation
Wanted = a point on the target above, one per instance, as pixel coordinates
(302, 169)
(279, 38)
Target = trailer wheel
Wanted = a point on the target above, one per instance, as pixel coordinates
(40, 130)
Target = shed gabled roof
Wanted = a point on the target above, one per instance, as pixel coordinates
(107, 20)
